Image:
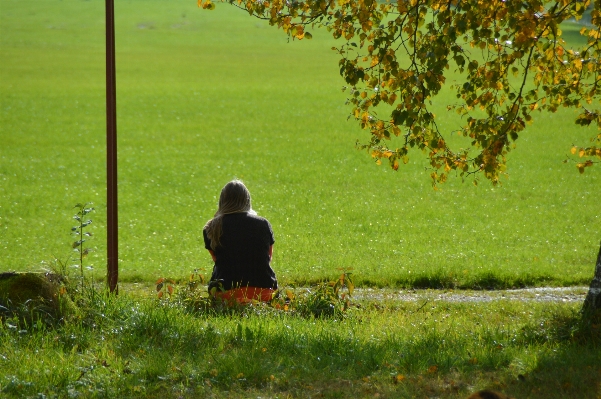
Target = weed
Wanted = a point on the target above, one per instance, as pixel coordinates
(80, 231)
(165, 287)
(328, 299)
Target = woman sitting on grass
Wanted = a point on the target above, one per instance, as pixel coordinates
(241, 244)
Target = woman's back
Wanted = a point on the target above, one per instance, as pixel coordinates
(243, 255)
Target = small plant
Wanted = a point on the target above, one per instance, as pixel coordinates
(165, 287)
(196, 279)
(81, 234)
(190, 295)
(283, 299)
(329, 299)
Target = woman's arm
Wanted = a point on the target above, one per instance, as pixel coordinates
(215, 258)
(270, 252)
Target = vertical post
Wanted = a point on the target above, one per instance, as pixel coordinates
(111, 150)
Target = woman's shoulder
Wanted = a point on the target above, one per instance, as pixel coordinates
(254, 218)
(248, 216)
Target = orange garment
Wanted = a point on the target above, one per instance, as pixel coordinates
(246, 294)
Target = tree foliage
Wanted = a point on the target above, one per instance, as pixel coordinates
(508, 59)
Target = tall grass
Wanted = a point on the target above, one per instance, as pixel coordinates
(204, 97)
(121, 347)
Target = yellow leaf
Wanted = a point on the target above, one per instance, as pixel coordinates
(559, 51)
(573, 150)
(432, 369)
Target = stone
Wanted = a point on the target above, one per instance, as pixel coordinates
(33, 297)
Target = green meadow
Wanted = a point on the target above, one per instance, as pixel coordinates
(207, 96)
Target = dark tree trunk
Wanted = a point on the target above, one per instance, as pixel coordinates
(593, 299)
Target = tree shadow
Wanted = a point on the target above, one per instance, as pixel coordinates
(573, 367)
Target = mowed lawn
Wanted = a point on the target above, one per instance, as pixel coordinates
(204, 97)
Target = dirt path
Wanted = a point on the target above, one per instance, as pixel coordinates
(542, 294)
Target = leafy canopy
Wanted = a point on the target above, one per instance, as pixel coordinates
(509, 57)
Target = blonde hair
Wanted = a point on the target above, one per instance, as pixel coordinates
(234, 198)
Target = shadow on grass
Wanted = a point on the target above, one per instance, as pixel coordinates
(570, 372)
(573, 368)
(491, 281)
(483, 281)
(332, 365)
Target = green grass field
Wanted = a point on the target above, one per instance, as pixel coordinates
(204, 97)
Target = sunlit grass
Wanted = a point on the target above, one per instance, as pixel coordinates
(204, 97)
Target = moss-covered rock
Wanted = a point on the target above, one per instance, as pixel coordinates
(34, 296)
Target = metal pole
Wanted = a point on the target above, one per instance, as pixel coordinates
(111, 151)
